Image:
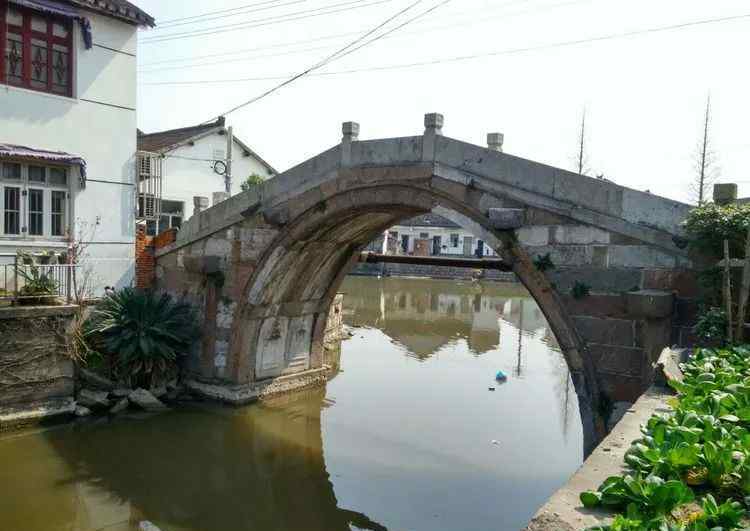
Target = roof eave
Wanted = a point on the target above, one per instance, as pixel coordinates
(134, 18)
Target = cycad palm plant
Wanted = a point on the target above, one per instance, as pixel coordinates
(144, 332)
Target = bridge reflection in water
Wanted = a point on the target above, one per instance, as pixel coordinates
(400, 439)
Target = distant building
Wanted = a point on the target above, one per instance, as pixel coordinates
(431, 235)
(192, 164)
(68, 130)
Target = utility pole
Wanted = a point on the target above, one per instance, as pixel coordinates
(228, 173)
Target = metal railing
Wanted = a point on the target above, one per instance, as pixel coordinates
(23, 282)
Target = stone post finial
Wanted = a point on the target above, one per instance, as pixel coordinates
(725, 193)
(433, 122)
(495, 141)
(200, 203)
(350, 131)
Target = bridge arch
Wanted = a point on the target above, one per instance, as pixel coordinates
(283, 250)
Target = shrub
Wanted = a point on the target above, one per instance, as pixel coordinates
(143, 333)
(707, 226)
(711, 327)
(252, 181)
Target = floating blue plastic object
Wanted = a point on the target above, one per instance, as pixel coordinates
(500, 376)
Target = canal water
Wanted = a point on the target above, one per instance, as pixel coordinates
(408, 435)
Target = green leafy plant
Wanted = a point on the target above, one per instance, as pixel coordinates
(704, 443)
(38, 282)
(652, 494)
(708, 225)
(252, 181)
(543, 262)
(727, 515)
(580, 290)
(711, 327)
(145, 333)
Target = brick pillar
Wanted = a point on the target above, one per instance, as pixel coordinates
(145, 263)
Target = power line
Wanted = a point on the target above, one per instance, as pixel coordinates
(240, 59)
(178, 21)
(219, 17)
(394, 29)
(339, 53)
(192, 58)
(257, 49)
(473, 20)
(511, 51)
(289, 17)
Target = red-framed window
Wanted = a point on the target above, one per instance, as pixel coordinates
(37, 50)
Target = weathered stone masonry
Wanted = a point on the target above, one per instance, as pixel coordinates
(264, 266)
(36, 373)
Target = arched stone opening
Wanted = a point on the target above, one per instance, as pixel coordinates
(281, 317)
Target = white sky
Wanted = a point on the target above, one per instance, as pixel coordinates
(644, 94)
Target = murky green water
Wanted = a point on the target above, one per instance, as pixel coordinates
(407, 436)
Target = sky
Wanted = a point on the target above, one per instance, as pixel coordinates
(644, 95)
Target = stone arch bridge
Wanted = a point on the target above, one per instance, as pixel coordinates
(264, 266)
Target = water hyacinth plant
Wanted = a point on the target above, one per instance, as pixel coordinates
(700, 451)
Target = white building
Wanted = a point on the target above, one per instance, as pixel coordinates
(193, 165)
(68, 129)
(432, 235)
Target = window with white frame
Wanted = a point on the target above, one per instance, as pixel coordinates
(170, 218)
(35, 200)
(454, 240)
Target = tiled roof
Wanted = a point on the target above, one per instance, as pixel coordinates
(155, 142)
(429, 220)
(121, 9)
(164, 141)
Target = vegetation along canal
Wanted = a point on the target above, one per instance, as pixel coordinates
(408, 434)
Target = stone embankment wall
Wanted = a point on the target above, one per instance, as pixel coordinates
(36, 374)
(564, 511)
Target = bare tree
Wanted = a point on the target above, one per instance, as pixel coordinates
(706, 170)
(581, 157)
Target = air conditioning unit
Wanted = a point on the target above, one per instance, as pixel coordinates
(148, 185)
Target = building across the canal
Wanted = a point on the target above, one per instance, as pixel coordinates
(430, 235)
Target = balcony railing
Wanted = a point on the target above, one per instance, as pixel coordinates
(24, 283)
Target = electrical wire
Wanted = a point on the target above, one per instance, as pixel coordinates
(472, 21)
(170, 21)
(193, 58)
(333, 56)
(460, 58)
(290, 17)
(207, 17)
